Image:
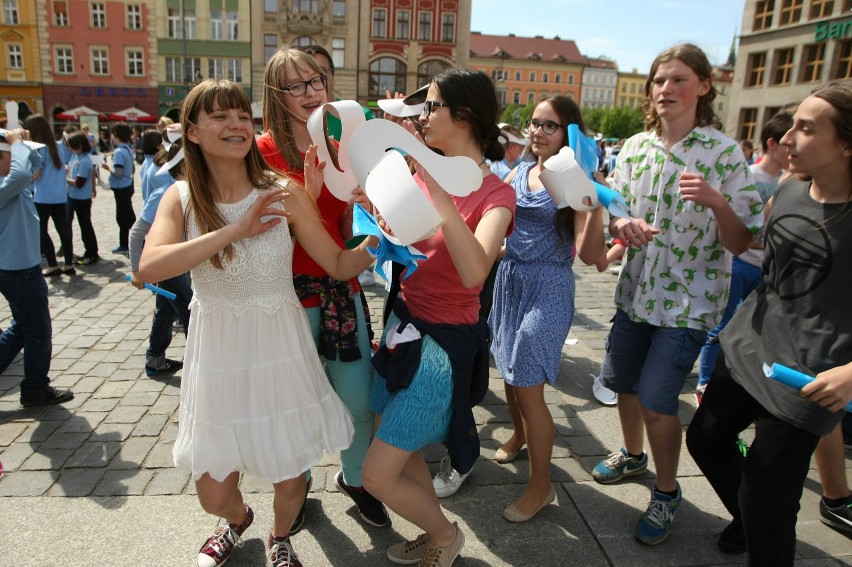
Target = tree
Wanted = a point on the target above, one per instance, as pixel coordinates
(614, 122)
(524, 114)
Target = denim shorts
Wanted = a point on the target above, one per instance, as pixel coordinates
(650, 361)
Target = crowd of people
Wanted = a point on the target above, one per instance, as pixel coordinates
(738, 265)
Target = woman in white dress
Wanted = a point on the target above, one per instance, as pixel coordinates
(254, 396)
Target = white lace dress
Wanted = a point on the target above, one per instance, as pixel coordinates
(254, 395)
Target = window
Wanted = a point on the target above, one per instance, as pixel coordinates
(134, 16)
(755, 69)
(403, 24)
(782, 68)
(135, 67)
(174, 26)
(235, 70)
(270, 45)
(215, 68)
(193, 69)
(557, 78)
(791, 11)
(100, 61)
(424, 26)
(189, 23)
(501, 97)
(306, 6)
(338, 47)
(380, 22)
(98, 11)
(428, 69)
(448, 29)
(748, 123)
(387, 74)
(217, 25)
(570, 79)
(304, 41)
(173, 69)
(532, 76)
(14, 56)
(270, 6)
(530, 97)
(763, 14)
(624, 88)
(821, 8)
(843, 64)
(545, 77)
(516, 97)
(64, 61)
(60, 14)
(338, 8)
(232, 27)
(517, 75)
(10, 12)
(813, 58)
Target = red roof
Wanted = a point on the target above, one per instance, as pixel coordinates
(535, 48)
(601, 63)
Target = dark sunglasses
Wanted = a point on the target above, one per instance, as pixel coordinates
(430, 105)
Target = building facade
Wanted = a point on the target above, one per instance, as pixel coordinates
(787, 49)
(20, 69)
(630, 89)
(404, 43)
(201, 39)
(528, 69)
(600, 79)
(98, 54)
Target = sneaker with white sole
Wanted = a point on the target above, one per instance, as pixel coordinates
(444, 556)
(448, 480)
(281, 553)
(656, 523)
(838, 517)
(225, 538)
(619, 465)
(409, 552)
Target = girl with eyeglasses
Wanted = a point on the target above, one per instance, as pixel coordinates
(294, 87)
(425, 391)
(254, 395)
(534, 300)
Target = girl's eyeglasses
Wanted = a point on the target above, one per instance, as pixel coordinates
(549, 126)
(430, 105)
(298, 88)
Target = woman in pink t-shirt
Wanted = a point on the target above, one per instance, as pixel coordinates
(424, 390)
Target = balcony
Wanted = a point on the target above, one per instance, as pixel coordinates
(305, 23)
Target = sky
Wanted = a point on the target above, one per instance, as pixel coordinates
(632, 32)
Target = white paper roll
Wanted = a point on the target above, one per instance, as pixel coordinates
(567, 183)
(340, 181)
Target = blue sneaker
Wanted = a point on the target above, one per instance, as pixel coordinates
(619, 465)
(656, 523)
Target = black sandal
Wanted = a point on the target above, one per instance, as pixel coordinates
(51, 271)
(68, 270)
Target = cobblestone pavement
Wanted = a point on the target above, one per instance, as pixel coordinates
(92, 482)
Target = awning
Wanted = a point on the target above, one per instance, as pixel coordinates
(132, 114)
(76, 113)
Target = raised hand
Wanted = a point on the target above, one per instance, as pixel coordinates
(693, 187)
(314, 177)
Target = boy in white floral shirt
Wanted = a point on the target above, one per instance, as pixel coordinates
(688, 186)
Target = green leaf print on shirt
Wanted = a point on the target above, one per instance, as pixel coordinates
(688, 275)
(677, 160)
(712, 273)
(704, 170)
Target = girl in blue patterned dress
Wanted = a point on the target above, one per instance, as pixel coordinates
(534, 300)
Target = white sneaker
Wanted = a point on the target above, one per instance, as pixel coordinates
(366, 277)
(603, 394)
(448, 480)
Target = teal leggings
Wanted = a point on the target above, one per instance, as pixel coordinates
(352, 381)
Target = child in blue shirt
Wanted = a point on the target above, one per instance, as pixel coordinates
(81, 191)
(121, 184)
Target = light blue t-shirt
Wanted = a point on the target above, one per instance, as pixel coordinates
(80, 166)
(49, 188)
(19, 224)
(159, 184)
(144, 172)
(122, 158)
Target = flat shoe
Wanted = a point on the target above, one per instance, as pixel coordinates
(68, 270)
(503, 456)
(50, 272)
(512, 514)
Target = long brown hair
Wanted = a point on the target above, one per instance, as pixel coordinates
(569, 113)
(201, 199)
(691, 56)
(277, 119)
(41, 132)
(840, 99)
